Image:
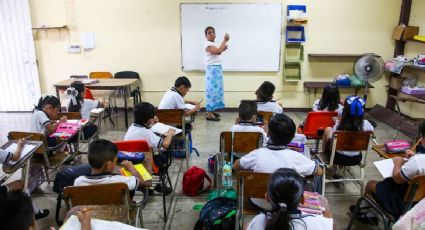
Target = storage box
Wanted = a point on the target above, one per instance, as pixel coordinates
(413, 90)
(398, 33)
(405, 32)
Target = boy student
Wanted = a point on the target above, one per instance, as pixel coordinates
(246, 120)
(102, 156)
(173, 98)
(265, 100)
(276, 155)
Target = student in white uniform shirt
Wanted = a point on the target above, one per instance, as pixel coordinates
(102, 156)
(265, 100)
(173, 98)
(246, 120)
(330, 101)
(285, 192)
(276, 155)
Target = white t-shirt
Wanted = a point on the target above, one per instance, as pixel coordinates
(415, 166)
(316, 108)
(131, 181)
(211, 59)
(250, 128)
(137, 132)
(87, 106)
(172, 100)
(316, 222)
(5, 156)
(366, 127)
(39, 121)
(269, 106)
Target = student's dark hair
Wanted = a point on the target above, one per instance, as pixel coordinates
(48, 100)
(143, 112)
(421, 129)
(208, 28)
(16, 211)
(330, 98)
(247, 110)
(100, 152)
(348, 121)
(285, 190)
(182, 81)
(80, 87)
(265, 91)
(281, 129)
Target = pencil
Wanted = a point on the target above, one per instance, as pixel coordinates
(26, 138)
(413, 148)
(86, 210)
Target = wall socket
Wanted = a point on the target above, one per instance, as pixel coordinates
(74, 49)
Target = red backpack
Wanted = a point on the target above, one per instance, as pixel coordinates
(193, 181)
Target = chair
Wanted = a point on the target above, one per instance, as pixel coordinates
(105, 194)
(415, 193)
(136, 92)
(360, 141)
(250, 185)
(235, 143)
(264, 116)
(315, 125)
(109, 94)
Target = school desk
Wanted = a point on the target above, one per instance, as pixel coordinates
(122, 86)
(379, 149)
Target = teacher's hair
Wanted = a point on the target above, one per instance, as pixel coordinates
(206, 29)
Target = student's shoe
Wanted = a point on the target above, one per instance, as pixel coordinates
(212, 118)
(365, 219)
(158, 188)
(41, 214)
(216, 114)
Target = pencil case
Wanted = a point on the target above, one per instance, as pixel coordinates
(396, 146)
(134, 157)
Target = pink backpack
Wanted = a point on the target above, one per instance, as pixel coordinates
(193, 181)
(396, 146)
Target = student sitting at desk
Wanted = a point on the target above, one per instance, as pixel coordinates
(330, 101)
(276, 155)
(285, 192)
(420, 148)
(173, 98)
(246, 120)
(44, 116)
(265, 100)
(102, 156)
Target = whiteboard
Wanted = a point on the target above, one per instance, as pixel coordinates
(255, 35)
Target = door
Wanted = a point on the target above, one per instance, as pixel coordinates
(19, 81)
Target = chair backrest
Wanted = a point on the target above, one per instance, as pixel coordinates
(100, 75)
(352, 141)
(16, 135)
(417, 187)
(79, 77)
(133, 146)
(71, 115)
(174, 117)
(243, 142)
(265, 115)
(253, 184)
(99, 194)
(127, 74)
(318, 121)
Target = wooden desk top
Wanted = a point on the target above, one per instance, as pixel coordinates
(322, 84)
(112, 82)
(11, 167)
(380, 150)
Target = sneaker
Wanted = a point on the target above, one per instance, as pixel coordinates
(41, 214)
(365, 219)
(158, 188)
(216, 114)
(212, 118)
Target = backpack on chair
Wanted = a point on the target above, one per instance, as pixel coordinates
(193, 181)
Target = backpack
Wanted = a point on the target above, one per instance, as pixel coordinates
(217, 214)
(66, 178)
(193, 181)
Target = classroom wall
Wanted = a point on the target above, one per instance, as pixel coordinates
(144, 36)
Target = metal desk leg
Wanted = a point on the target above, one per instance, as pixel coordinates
(125, 95)
(25, 174)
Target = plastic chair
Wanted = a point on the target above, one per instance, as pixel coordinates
(136, 92)
(347, 141)
(105, 194)
(415, 193)
(315, 125)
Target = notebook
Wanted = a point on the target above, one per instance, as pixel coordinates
(73, 223)
(385, 167)
(161, 128)
(139, 168)
(27, 149)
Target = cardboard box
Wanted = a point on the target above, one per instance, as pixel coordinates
(410, 32)
(398, 33)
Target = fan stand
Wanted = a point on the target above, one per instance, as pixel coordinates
(373, 123)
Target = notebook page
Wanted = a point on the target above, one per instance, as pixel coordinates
(26, 149)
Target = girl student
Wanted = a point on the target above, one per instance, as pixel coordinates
(285, 192)
(330, 101)
(79, 104)
(265, 100)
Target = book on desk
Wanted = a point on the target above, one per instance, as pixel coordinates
(28, 148)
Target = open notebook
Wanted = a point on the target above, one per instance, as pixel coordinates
(385, 167)
(73, 223)
(161, 128)
(27, 149)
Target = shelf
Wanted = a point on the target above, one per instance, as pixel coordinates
(333, 57)
(411, 40)
(51, 28)
(412, 66)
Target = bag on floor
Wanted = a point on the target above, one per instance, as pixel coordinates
(193, 181)
(66, 178)
(217, 214)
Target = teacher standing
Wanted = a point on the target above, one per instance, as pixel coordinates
(214, 74)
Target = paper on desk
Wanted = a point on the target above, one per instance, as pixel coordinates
(73, 223)
(27, 148)
(163, 128)
(385, 167)
(189, 106)
(97, 110)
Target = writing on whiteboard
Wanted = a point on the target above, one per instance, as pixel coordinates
(216, 7)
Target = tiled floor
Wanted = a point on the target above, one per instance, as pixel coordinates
(206, 140)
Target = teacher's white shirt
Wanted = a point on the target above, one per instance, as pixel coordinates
(211, 59)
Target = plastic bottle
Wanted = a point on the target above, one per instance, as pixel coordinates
(227, 175)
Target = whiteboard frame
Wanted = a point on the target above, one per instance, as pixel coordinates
(251, 71)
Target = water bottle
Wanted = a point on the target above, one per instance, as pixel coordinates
(227, 175)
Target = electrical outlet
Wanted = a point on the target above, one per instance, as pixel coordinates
(74, 49)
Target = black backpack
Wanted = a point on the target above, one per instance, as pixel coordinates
(217, 214)
(66, 178)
